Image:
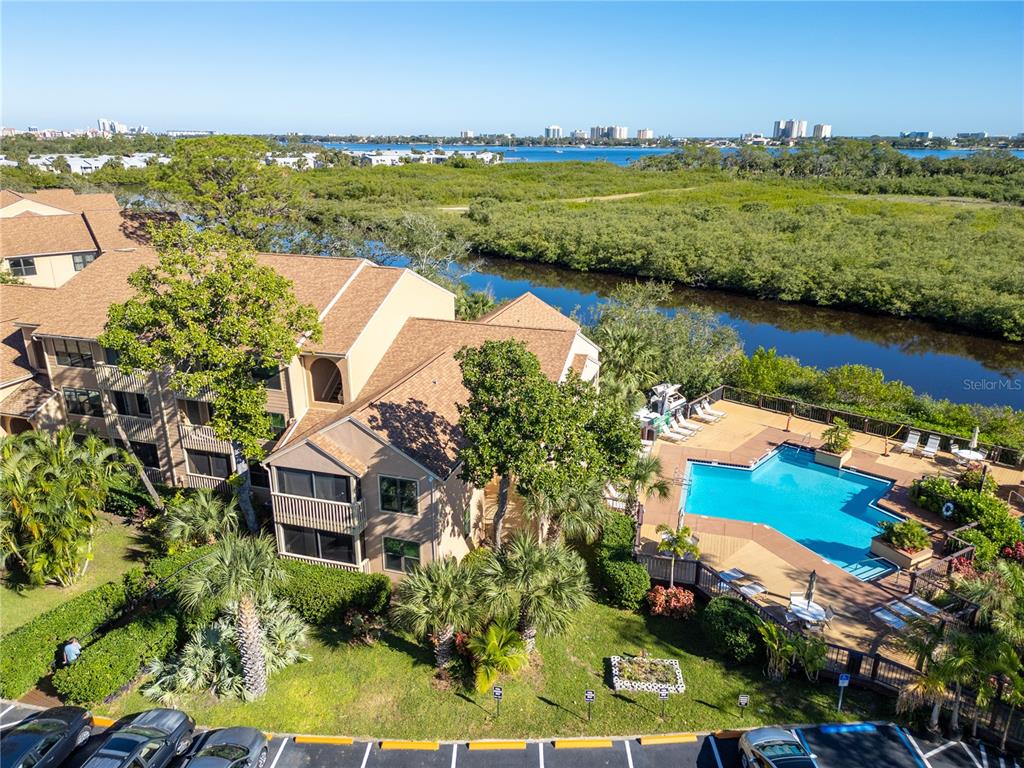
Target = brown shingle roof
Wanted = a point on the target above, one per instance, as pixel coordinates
(69, 200)
(27, 398)
(360, 301)
(331, 448)
(111, 230)
(39, 235)
(527, 311)
(16, 302)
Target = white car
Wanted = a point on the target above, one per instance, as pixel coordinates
(773, 748)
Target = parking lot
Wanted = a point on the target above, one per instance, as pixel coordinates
(835, 746)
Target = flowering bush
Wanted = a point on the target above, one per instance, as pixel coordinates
(676, 602)
(964, 566)
(1016, 552)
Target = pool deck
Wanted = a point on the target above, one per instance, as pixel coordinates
(778, 562)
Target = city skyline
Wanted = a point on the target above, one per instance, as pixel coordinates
(727, 79)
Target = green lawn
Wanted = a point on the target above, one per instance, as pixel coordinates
(115, 550)
(388, 690)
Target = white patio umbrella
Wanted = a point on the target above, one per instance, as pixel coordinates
(974, 439)
(811, 582)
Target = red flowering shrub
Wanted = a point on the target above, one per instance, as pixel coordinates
(964, 566)
(676, 602)
(1016, 552)
(460, 644)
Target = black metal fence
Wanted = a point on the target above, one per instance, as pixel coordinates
(997, 454)
(866, 670)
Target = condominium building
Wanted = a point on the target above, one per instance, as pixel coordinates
(363, 472)
(617, 132)
(579, 133)
(553, 132)
(777, 128)
(598, 132)
(973, 135)
(822, 131)
(467, 134)
(645, 134)
(915, 134)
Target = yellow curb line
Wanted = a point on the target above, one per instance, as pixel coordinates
(268, 735)
(583, 744)
(102, 722)
(475, 745)
(669, 738)
(426, 746)
(322, 740)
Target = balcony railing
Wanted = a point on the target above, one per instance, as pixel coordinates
(335, 516)
(363, 567)
(138, 428)
(201, 438)
(111, 377)
(205, 481)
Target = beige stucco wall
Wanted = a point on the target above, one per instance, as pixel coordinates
(411, 296)
(51, 271)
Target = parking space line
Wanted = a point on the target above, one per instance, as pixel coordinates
(366, 755)
(669, 738)
(909, 739)
(714, 751)
(971, 755)
(423, 746)
(540, 748)
(984, 756)
(322, 740)
(583, 743)
(939, 748)
(7, 710)
(277, 755)
(494, 745)
(1001, 765)
(629, 754)
(454, 749)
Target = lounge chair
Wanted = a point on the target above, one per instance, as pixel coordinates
(752, 590)
(912, 441)
(889, 619)
(693, 426)
(921, 604)
(699, 414)
(711, 411)
(733, 574)
(931, 448)
(671, 436)
(904, 610)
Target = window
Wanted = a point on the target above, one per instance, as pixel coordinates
(209, 464)
(83, 402)
(324, 545)
(142, 405)
(194, 412)
(299, 541)
(23, 267)
(73, 354)
(258, 475)
(147, 454)
(271, 377)
(82, 260)
(121, 402)
(130, 403)
(276, 423)
(397, 495)
(339, 547)
(313, 485)
(401, 555)
(112, 356)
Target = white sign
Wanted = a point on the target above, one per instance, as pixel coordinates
(744, 699)
(844, 680)
(663, 694)
(497, 692)
(589, 696)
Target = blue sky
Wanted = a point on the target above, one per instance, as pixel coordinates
(682, 69)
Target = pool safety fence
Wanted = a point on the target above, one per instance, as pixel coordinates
(869, 670)
(894, 431)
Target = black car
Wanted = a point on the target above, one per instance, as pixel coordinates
(231, 748)
(144, 740)
(46, 740)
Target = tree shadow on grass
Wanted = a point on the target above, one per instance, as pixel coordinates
(630, 700)
(470, 700)
(420, 654)
(565, 709)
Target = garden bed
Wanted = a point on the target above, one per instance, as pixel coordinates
(642, 673)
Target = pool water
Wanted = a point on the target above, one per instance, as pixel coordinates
(831, 512)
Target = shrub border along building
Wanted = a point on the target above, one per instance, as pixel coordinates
(27, 653)
(323, 595)
(624, 581)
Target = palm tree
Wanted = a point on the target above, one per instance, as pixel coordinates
(925, 689)
(679, 542)
(438, 600)
(1014, 696)
(52, 488)
(958, 667)
(994, 656)
(999, 595)
(925, 641)
(537, 587)
(576, 511)
(199, 518)
(642, 480)
(498, 651)
(628, 361)
(242, 569)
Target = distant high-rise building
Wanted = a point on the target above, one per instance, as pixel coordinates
(778, 128)
(617, 132)
(975, 135)
(579, 133)
(791, 129)
(467, 134)
(915, 134)
(823, 131)
(645, 133)
(553, 132)
(598, 132)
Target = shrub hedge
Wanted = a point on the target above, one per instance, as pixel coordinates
(27, 653)
(323, 595)
(114, 660)
(732, 626)
(625, 583)
(989, 511)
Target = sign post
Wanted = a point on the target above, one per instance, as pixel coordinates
(496, 692)
(744, 702)
(844, 681)
(589, 697)
(663, 695)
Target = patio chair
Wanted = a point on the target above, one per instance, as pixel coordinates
(682, 434)
(912, 441)
(684, 423)
(921, 604)
(829, 615)
(931, 448)
(891, 620)
(733, 574)
(698, 413)
(792, 618)
(673, 437)
(904, 610)
(711, 411)
(753, 589)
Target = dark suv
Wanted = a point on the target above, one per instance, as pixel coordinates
(145, 740)
(46, 740)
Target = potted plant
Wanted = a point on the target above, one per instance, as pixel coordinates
(905, 544)
(835, 447)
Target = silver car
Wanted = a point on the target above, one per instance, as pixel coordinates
(773, 748)
(230, 748)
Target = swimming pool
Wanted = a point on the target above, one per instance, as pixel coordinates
(831, 512)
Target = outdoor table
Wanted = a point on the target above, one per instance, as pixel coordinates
(969, 455)
(807, 611)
